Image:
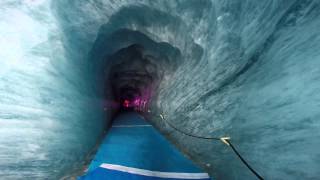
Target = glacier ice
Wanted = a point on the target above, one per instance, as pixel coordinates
(244, 69)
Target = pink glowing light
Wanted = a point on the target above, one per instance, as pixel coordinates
(136, 102)
(126, 103)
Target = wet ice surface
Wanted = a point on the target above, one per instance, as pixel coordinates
(249, 70)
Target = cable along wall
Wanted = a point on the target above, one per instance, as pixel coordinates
(209, 85)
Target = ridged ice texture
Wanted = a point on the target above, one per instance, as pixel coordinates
(49, 117)
(249, 70)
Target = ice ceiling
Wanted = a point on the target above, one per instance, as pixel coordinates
(246, 69)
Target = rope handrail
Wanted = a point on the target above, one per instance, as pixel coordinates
(225, 140)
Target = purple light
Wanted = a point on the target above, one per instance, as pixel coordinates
(137, 102)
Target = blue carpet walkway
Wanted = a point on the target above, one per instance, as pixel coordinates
(134, 150)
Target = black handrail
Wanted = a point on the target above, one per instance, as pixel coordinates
(225, 140)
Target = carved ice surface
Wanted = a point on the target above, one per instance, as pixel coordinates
(248, 70)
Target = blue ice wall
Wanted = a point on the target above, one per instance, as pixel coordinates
(248, 69)
(49, 117)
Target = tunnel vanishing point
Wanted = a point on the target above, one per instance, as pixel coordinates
(248, 70)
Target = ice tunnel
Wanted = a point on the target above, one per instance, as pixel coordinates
(248, 70)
